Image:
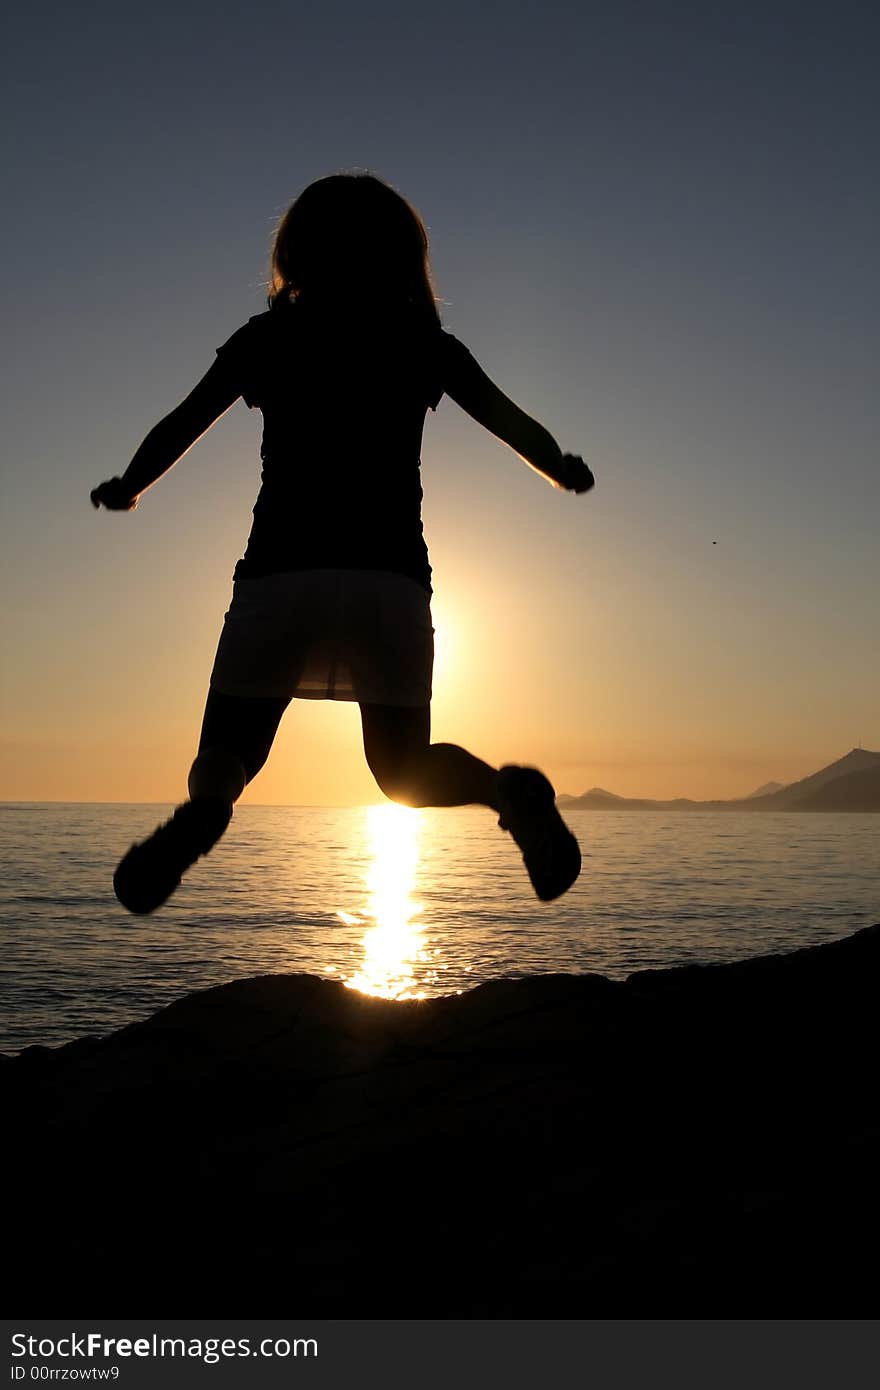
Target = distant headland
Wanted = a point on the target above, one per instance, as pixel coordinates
(850, 784)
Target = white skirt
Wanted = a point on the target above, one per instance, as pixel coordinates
(328, 634)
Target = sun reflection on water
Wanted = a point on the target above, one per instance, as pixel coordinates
(394, 943)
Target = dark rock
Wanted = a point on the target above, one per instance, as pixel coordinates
(694, 1142)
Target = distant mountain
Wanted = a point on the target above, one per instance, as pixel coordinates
(599, 800)
(858, 791)
(791, 797)
(766, 790)
(852, 783)
(598, 795)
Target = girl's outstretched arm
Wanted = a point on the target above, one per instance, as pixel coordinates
(475, 392)
(169, 440)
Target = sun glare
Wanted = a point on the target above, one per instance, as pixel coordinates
(394, 944)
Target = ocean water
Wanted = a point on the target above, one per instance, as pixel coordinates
(403, 903)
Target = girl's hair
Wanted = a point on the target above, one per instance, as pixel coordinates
(351, 234)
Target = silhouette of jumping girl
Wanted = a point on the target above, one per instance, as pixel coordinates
(332, 597)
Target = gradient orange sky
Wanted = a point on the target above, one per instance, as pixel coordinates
(658, 238)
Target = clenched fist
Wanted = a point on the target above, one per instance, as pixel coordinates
(576, 476)
(113, 496)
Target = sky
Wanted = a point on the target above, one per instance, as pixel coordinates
(654, 225)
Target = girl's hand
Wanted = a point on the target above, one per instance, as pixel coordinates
(576, 476)
(113, 496)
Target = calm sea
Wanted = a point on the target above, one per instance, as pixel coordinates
(403, 903)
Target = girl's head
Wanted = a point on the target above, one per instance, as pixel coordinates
(350, 235)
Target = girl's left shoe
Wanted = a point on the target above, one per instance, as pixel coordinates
(550, 852)
(149, 873)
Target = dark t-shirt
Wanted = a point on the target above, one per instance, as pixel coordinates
(343, 400)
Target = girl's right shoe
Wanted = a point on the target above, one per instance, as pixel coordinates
(550, 852)
(149, 873)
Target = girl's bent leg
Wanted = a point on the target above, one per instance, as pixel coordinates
(411, 769)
